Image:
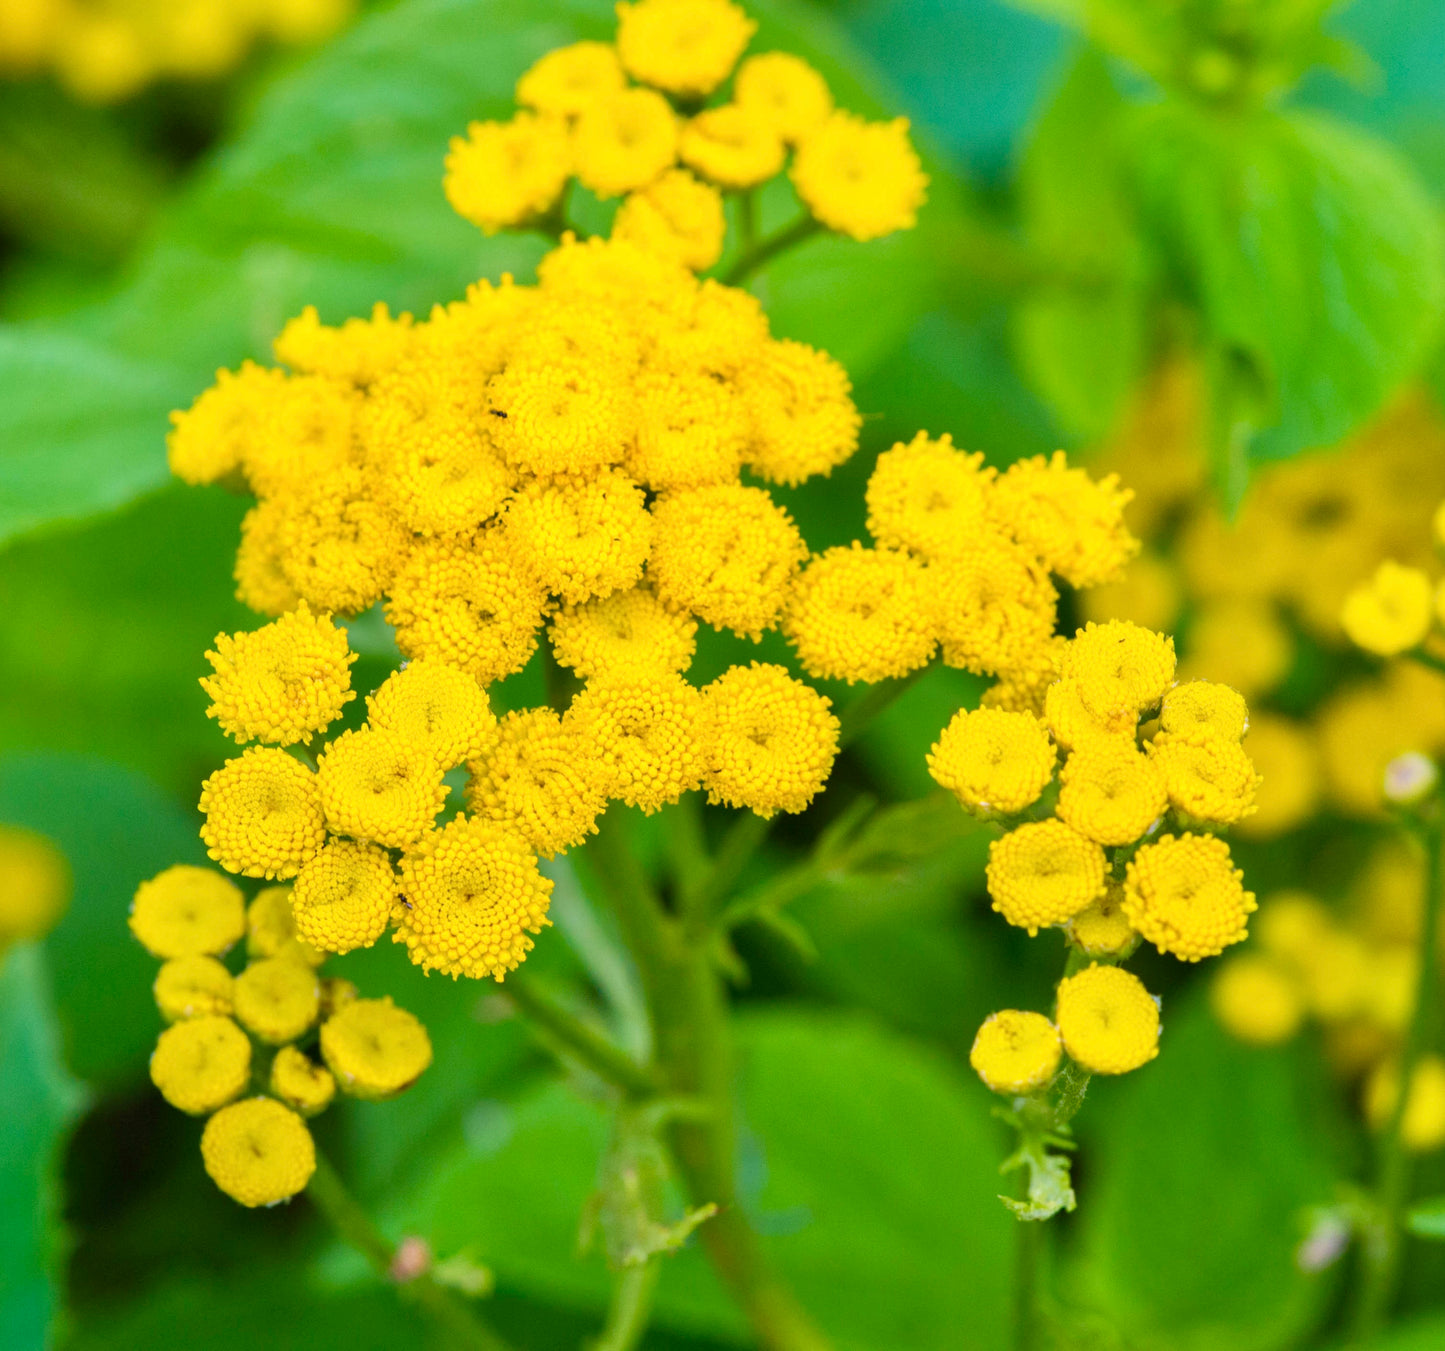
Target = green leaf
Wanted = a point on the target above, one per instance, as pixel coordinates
(1427, 1219)
(38, 1100)
(1418, 1334)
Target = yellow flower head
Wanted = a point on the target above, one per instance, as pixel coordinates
(359, 352)
(212, 438)
(539, 775)
(995, 606)
(201, 1063)
(676, 217)
(380, 786)
(861, 614)
(283, 682)
(471, 605)
(1100, 929)
(692, 429)
(726, 553)
(649, 732)
(34, 884)
(263, 814)
(1239, 642)
(731, 146)
(1074, 525)
(302, 1084)
(1023, 687)
(557, 414)
(1075, 726)
(571, 79)
(375, 1049)
(803, 418)
(304, 430)
(624, 141)
(772, 740)
(271, 928)
(992, 761)
(862, 179)
(1209, 779)
(507, 173)
(686, 47)
(1108, 1020)
(188, 912)
(1016, 1052)
(716, 330)
(1256, 1000)
(1119, 668)
(192, 987)
(1288, 764)
(431, 704)
(258, 1152)
(1043, 873)
(344, 896)
(1423, 1127)
(277, 998)
(471, 893)
(626, 635)
(785, 91)
(1186, 897)
(1203, 706)
(928, 496)
(1391, 613)
(1111, 791)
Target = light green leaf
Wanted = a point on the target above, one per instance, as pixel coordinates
(1427, 1219)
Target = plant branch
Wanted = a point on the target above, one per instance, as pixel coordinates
(631, 1307)
(860, 714)
(763, 252)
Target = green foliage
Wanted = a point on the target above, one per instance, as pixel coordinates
(1427, 1219)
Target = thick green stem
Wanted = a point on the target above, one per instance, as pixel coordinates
(631, 1307)
(764, 251)
(459, 1324)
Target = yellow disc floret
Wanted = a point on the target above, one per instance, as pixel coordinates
(271, 928)
(1390, 613)
(1016, 1052)
(686, 47)
(258, 1152)
(992, 761)
(1043, 873)
(1186, 897)
(862, 179)
(1118, 668)
(1204, 706)
(344, 897)
(624, 141)
(434, 705)
(1111, 791)
(300, 1082)
(803, 418)
(200, 1064)
(1257, 1000)
(994, 605)
(359, 352)
(192, 987)
(692, 428)
(507, 173)
(629, 633)
(277, 998)
(210, 440)
(1100, 929)
(187, 912)
(1108, 1020)
(731, 146)
(676, 217)
(571, 79)
(375, 1049)
(34, 884)
(785, 91)
(1209, 779)
(380, 786)
(928, 496)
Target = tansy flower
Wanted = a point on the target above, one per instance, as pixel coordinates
(560, 414)
(34, 884)
(862, 179)
(686, 47)
(627, 634)
(212, 438)
(375, 1049)
(302, 1084)
(570, 79)
(271, 928)
(1288, 764)
(1101, 929)
(717, 330)
(994, 605)
(1108, 1020)
(1119, 668)
(276, 999)
(305, 429)
(336, 994)
(201, 1063)
(261, 584)
(1016, 1052)
(624, 141)
(727, 553)
(540, 775)
(772, 740)
(1204, 706)
(785, 91)
(928, 496)
(380, 786)
(677, 217)
(993, 761)
(1257, 1000)
(1022, 687)
(1423, 1125)
(344, 896)
(258, 1152)
(1070, 522)
(615, 276)
(188, 912)
(359, 352)
(1043, 873)
(507, 173)
(434, 705)
(731, 146)
(861, 614)
(1111, 791)
(1074, 725)
(803, 418)
(1185, 896)
(283, 682)
(1209, 779)
(692, 429)
(192, 987)
(472, 893)
(1391, 612)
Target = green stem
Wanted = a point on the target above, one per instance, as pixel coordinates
(1026, 1282)
(748, 220)
(1429, 659)
(687, 849)
(460, 1324)
(859, 715)
(764, 251)
(631, 1307)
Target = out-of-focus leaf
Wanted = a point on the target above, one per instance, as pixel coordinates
(1427, 1219)
(1418, 1334)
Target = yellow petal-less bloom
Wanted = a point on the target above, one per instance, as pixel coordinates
(1423, 1126)
(380, 786)
(862, 179)
(803, 418)
(785, 91)
(1288, 763)
(995, 606)
(472, 894)
(692, 429)
(559, 414)
(1108, 1020)
(434, 705)
(261, 583)
(622, 636)
(302, 1084)
(1391, 613)
(344, 897)
(1186, 897)
(35, 884)
(686, 47)
(1075, 726)
(623, 142)
(283, 682)
(1204, 706)
(201, 1064)
(727, 553)
(192, 987)
(1256, 1000)
(676, 217)
(1016, 1052)
(359, 352)
(271, 928)
(1024, 687)
(304, 430)
(861, 614)
(211, 439)
(507, 173)
(1119, 668)
(1111, 791)
(375, 1049)
(187, 912)
(569, 80)
(731, 146)
(277, 999)
(1209, 779)
(1101, 930)
(771, 740)
(258, 1152)
(928, 496)
(993, 761)
(1043, 873)
(263, 814)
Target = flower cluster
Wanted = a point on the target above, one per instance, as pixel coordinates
(239, 1046)
(35, 885)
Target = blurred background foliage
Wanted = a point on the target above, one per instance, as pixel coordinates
(1114, 182)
